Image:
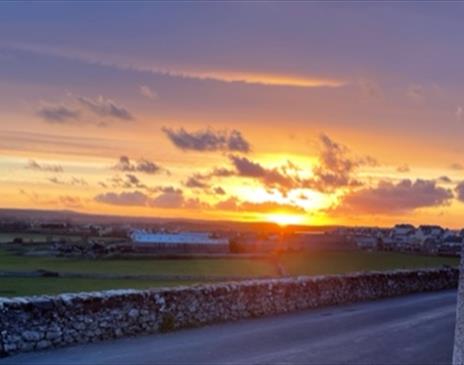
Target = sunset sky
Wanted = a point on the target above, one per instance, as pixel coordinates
(305, 112)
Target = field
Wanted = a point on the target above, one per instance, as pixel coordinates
(42, 238)
(317, 263)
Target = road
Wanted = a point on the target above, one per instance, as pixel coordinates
(415, 329)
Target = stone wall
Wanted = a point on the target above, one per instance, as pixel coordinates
(41, 322)
(458, 356)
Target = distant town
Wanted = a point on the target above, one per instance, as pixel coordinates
(64, 237)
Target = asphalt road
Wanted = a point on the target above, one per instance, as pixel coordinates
(415, 329)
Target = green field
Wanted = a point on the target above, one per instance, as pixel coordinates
(339, 262)
(316, 263)
(43, 238)
(201, 267)
(10, 287)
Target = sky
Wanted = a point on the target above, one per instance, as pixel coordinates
(292, 112)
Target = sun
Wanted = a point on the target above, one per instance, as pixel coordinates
(283, 219)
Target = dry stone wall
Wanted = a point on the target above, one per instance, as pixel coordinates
(458, 354)
(41, 322)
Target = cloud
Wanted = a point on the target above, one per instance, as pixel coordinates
(269, 177)
(145, 166)
(335, 168)
(168, 200)
(444, 179)
(74, 181)
(147, 92)
(459, 189)
(58, 114)
(208, 140)
(219, 190)
(104, 107)
(70, 201)
(34, 165)
(196, 182)
(247, 168)
(129, 181)
(134, 198)
(392, 198)
(124, 63)
(234, 204)
(456, 166)
(403, 168)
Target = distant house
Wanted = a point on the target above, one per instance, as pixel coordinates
(429, 231)
(367, 242)
(403, 230)
(451, 245)
(401, 235)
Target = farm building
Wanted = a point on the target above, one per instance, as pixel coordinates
(182, 242)
(197, 238)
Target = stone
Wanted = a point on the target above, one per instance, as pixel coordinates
(52, 335)
(43, 344)
(133, 313)
(32, 336)
(9, 347)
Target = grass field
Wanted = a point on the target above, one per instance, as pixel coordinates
(339, 262)
(203, 267)
(11, 287)
(317, 263)
(42, 238)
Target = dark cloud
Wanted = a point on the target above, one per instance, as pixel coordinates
(460, 191)
(74, 181)
(166, 189)
(168, 200)
(207, 140)
(392, 198)
(134, 198)
(335, 168)
(219, 191)
(196, 182)
(444, 179)
(129, 181)
(271, 178)
(247, 168)
(145, 166)
(34, 165)
(58, 113)
(104, 107)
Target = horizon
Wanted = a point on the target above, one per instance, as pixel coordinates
(340, 117)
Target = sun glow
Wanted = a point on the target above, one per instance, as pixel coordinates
(283, 219)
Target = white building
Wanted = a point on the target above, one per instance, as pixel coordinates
(194, 238)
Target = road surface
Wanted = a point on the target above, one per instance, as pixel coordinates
(415, 329)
